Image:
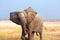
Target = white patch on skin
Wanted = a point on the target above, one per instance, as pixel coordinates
(22, 15)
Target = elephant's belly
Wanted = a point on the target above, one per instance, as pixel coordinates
(37, 29)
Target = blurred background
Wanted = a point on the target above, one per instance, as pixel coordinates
(48, 9)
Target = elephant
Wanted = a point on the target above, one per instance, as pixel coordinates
(31, 22)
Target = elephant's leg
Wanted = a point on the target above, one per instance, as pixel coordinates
(23, 36)
(37, 33)
(23, 31)
(40, 33)
(30, 35)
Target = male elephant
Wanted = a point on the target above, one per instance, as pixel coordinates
(30, 21)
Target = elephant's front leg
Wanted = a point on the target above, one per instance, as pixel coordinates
(30, 35)
(40, 33)
(23, 31)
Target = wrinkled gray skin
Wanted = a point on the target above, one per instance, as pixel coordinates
(30, 21)
(18, 18)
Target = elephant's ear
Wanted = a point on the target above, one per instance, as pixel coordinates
(31, 16)
(30, 9)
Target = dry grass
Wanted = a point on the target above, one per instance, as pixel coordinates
(51, 33)
(51, 20)
(11, 31)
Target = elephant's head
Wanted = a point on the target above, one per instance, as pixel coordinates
(14, 17)
(18, 17)
(25, 16)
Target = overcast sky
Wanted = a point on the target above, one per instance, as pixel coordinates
(48, 9)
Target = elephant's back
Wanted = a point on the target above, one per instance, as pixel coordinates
(38, 23)
(38, 20)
